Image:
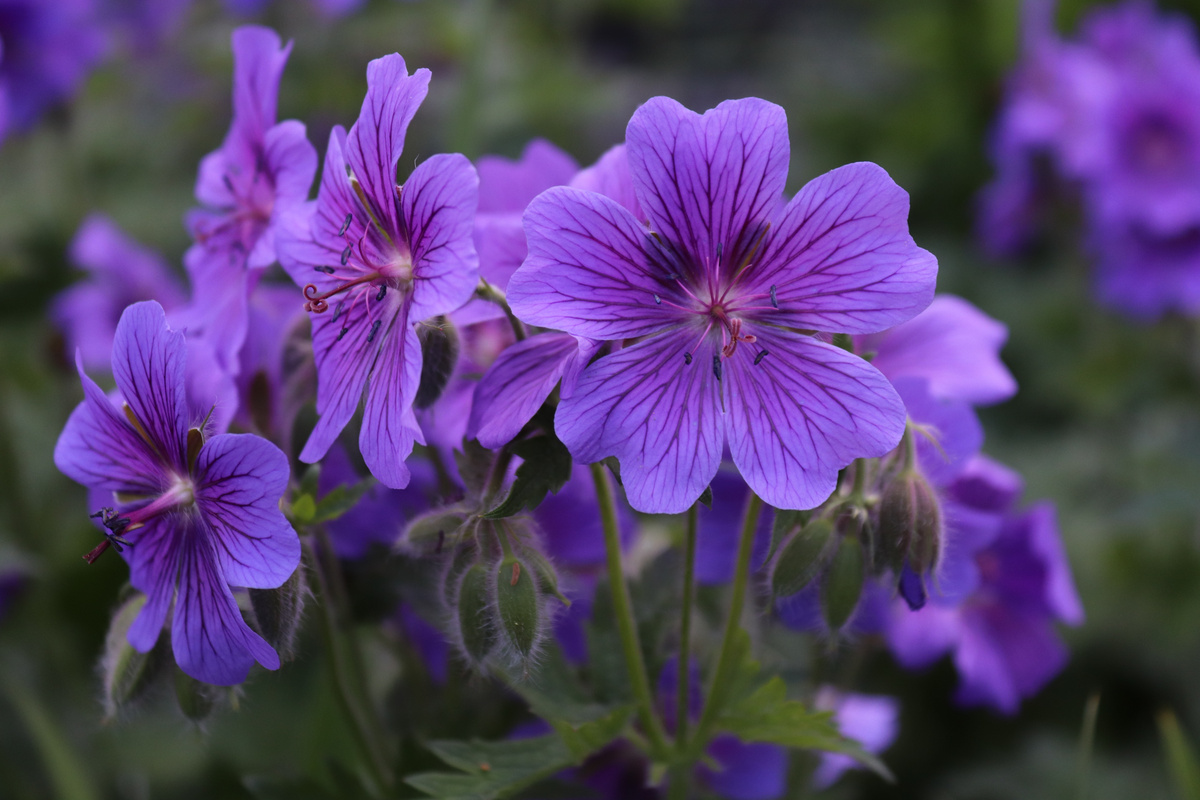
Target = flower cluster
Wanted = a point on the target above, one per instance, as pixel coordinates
(511, 336)
(1113, 114)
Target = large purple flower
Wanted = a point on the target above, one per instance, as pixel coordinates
(195, 516)
(250, 188)
(375, 261)
(720, 292)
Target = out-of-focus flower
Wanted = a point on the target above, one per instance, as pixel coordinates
(376, 260)
(46, 50)
(192, 515)
(871, 720)
(714, 291)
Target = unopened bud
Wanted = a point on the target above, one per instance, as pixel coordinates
(519, 607)
(547, 577)
(459, 561)
(196, 700)
(476, 629)
(802, 557)
(907, 512)
(439, 354)
(280, 611)
(432, 531)
(843, 583)
(127, 673)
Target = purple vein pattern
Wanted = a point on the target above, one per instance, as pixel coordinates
(722, 290)
(205, 519)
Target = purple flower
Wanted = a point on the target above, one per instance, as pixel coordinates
(194, 514)
(1002, 634)
(46, 50)
(869, 719)
(714, 291)
(1145, 275)
(120, 272)
(386, 259)
(250, 188)
(266, 402)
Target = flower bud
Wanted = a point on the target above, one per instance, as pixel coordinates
(433, 530)
(843, 582)
(196, 700)
(127, 673)
(908, 518)
(280, 611)
(476, 628)
(519, 607)
(547, 577)
(802, 557)
(439, 353)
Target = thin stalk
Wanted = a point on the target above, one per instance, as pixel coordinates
(623, 611)
(1087, 742)
(491, 294)
(741, 576)
(365, 728)
(685, 629)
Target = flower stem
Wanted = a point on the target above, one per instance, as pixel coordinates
(685, 629)
(485, 291)
(726, 660)
(623, 611)
(366, 728)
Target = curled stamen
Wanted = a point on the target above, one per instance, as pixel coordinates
(374, 330)
(316, 302)
(346, 224)
(326, 270)
(346, 256)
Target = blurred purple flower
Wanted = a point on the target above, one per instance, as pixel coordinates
(330, 9)
(389, 259)
(716, 285)
(119, 272)
(46, 50)
(207, 515)
(1145, 275)
(871, 720)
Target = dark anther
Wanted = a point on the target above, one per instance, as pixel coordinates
(774, 301)
(228, 183)
(374, 330)
(758, 358)
(687, 358)
(657, 300)
(346, 224)
(116, 525)
(342, 333)
(338, 309)
(326, 270)
(719, 248)
(315, 304)
(717, 367)
(346, 255)
(382, 292)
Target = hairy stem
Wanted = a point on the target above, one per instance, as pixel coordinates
(685, 629)
(623, 611)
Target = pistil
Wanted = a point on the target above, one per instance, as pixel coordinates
(317, 302)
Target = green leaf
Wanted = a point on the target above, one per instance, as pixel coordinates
(766, 715)
(545, 468)
(340, 500)
(303, 509)
(1181, 757)
(490, 770)
(785, 522)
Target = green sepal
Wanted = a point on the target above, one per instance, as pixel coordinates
(546, 466)
(518, 605)
(843, 583)
(802, 558)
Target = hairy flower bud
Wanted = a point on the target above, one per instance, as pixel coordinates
(802, 557)
(476, 627)
(843, 582)
(519, 607)
(909, 518)
(439, 353)
(197, 700)
(128, 674)
(280, 611)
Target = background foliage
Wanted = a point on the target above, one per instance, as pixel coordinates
(1106, 424)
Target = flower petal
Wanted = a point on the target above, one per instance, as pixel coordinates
(804, 412)
(950, 431)
(438, 205)
(610, 176)
(841, 258)
(153, 557)
(516, 385)
(389, 427)
(376, 139)
(657, 414)
(240, 479)
(212, 642)
(148, 365)
(258, 61)
(508, 186)
(707, 183)
(592, 270)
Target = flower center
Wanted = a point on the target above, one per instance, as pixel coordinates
(180, 494)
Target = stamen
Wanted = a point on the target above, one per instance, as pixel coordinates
(228, 183)
(657, 300)
(343, 332)
(346, 256)
(717, 366)
(687, 358)
(774, 300)
(374, 330)
(758, 358)
(346, 225)
(326, 270)
(382, 292)
(337, 311)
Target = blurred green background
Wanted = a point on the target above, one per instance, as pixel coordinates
(1106, 423)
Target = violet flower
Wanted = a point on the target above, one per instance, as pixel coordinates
(250, 188)
(190, 514)
(380, 259)
(871, 720)
(46, 50)
(714, 290)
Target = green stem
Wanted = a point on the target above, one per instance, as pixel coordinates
(726, 660)
(491, 294)
(623, 611)
(367, 731)
(685, 629)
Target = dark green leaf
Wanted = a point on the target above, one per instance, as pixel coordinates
(340, 500)
(546, 467)
(490, 770)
